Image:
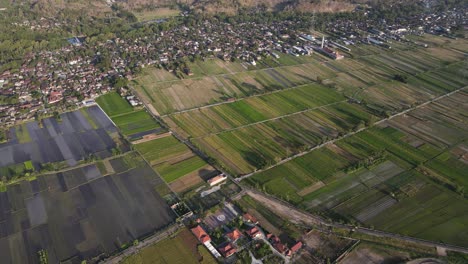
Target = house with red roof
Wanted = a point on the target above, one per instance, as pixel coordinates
(296, 247)
(249, 218)
(278, 245)
(54, 97)
(227, 250)
(234, 235)
(201, 234)
(253, 232)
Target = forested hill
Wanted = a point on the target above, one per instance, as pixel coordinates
(208, 6)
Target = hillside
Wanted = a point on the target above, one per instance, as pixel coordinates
(230, 6)
(208, 6)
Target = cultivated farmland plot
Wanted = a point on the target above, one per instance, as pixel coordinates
(72, 215)
(398, 195)
(132, 122)
(176, 163)
(252, 119)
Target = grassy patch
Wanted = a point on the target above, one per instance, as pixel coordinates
(172, 171)
(113, 104)
(157, 13)
(22, 133)
(135, 122)
(179, 249)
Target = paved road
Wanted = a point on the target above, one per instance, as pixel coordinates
(348, 134)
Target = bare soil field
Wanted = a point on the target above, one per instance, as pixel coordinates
(365, 253)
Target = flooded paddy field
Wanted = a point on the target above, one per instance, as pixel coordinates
(80, 214)
(73, 137)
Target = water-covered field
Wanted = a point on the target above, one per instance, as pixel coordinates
(79, 214)
(74, 137)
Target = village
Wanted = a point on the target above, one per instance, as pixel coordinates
(58, 80)
(232, 232)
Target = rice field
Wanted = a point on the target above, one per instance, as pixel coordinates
(113, 104)
(130, 121)
(392, 176)
(252, 110)
(258, 145)
(175, 162)
(135, 122)
(249, 118)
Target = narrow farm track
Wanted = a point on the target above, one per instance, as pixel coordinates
(349, 134)
(272, 119)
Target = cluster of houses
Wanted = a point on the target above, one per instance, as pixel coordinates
(52, 79)
(237, 239)
(82, 70)
(346, 32)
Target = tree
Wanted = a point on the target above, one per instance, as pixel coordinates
(400, 77)
(57, 115)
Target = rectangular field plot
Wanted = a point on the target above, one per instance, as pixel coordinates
(292, 180)
(113, 104)
(176, 95)
(183, 248)
(79, 214)
(131, 122)
(175, 162)
(135, 122)
(256, 146)
(398, 190)
(76, 136)
(251, 110)
(432, 213)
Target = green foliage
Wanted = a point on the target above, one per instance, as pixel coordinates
(3, 135)
(260, 249)
(401, 78)
(43, 258)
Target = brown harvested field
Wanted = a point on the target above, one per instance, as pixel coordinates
(187, 182)
(366, 253)
(179, 158)
(311, 188)
(336, 149)
(328, 246)
(108, 166)
(161, 12)
(151, 137)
